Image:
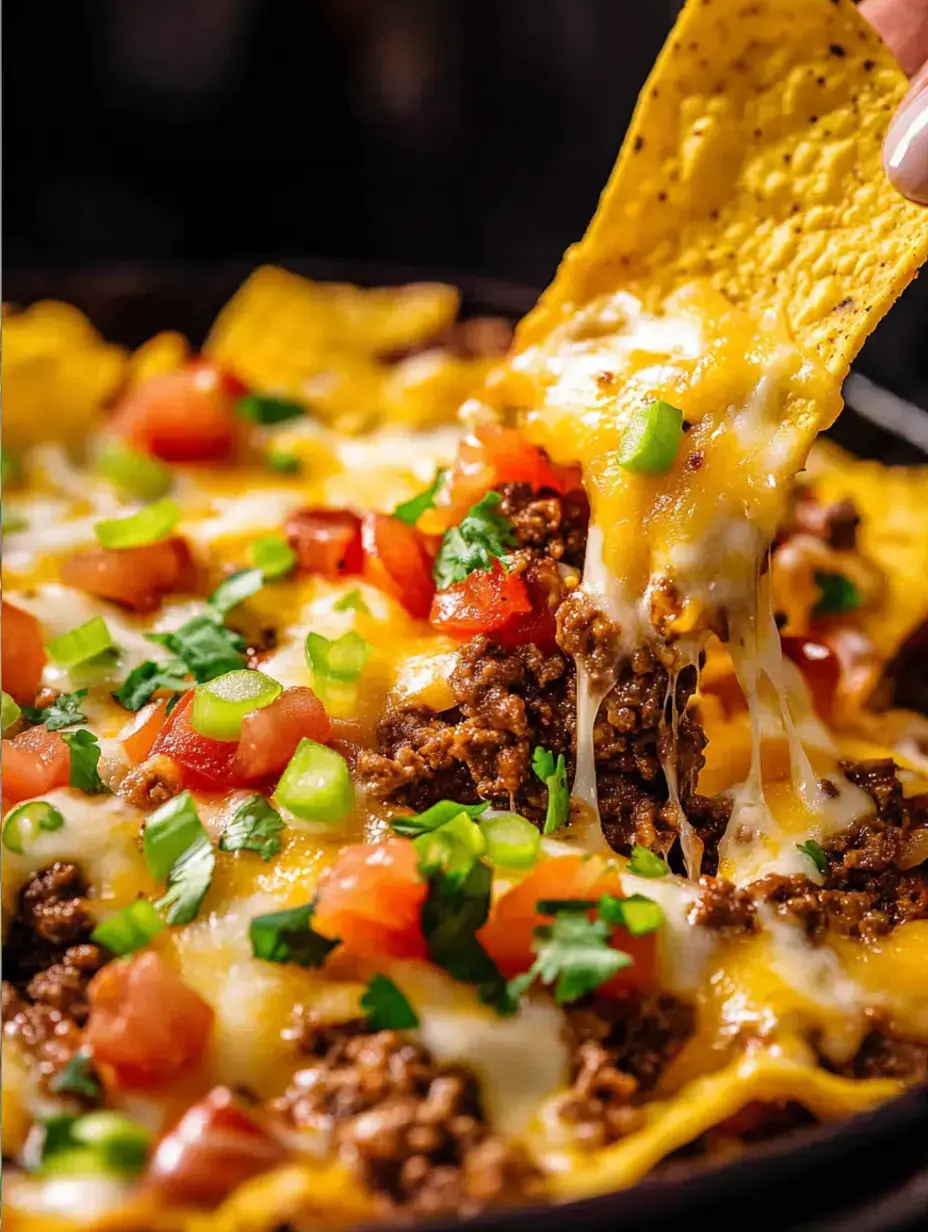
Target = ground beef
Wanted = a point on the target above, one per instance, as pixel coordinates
(724, 907)
(878, 778)
(709, 816)
(881, 1055)
(152, 782)
(836, 523)
(555, 525)
(48, 963)
(618, 1052)
(413, 1130)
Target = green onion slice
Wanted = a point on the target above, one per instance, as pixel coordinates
(637, 914)
(130, 929)
(104, 1142)
(235, 589)
(341, 659)
(452, 848)
(283, 461)
(652, 439)
(80, 644)
(138, 475)
(169, 831)
(22, 824)
(274, 556)
(512, 841)
(266, 409)
(644, 862)
(150, 524)
(316, 784)
(221, 705)
(839, 594)
(9, 713)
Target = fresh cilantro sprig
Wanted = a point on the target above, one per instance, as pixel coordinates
(254, 826)
(63, 712)
(144, 681)
(454, 910)
(84, 748)
(77, 1077)
(481, 537)
(206, 648)
(554, 776)
(288, 936)
(432, 818)
(838, 594)
(412, 510)
(188, 881)
(386, 1006)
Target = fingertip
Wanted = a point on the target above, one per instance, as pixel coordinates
(905, 150)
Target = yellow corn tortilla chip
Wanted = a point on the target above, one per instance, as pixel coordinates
(754, 158)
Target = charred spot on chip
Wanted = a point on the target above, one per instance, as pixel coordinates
(638, 144)
(837, 50)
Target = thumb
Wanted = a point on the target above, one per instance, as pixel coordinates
(903, 25)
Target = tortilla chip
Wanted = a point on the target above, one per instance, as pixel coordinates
(754, 159)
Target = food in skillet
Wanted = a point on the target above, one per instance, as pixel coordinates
(409, 817)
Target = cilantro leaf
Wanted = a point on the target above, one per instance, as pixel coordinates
(554, 776)
(352, 602)
(144, 681)
(63, 712)
(386, 1006)
(481, 537)
(573, 955)
(188, 881)
(839, 594)
(206, 648)
(266, 409)
(453, 911)
(432, 818)
(412, 510)
(84, 748)
(77, 1078)
(255, 826)
(288, 936)
(816, 854)
(234, 589)
(644, 862)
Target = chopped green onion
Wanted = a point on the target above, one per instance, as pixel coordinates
(637, 914)
(235, 589)
(10, 470)
(652, 439)
(130, 929)
(169, 831)
(353, 601)
(254, 826)
(23, 824)
(412, 510)
(9, 713)
(554, 776)
(386, 1006)
(103, 1142)
(341, 659)
(644, 862)
(11, 521)
(288, 936)
(816, 854)
(274, 556)
(64, 711)
(839, 594)
(283, 461)
(452, 847)
(221, 706)
(149, 525)
(84, 748)
(80, 644)
(432, 818)
(316, 785)
(138, 475)
(77, 1078)
(512, 840)
(265, 409)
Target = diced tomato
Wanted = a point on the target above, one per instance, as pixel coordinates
(181, 416)
(495, 455)
(23, 653)
(508, 933)
(397, 560)
(215, 1146)
(136, 577)
(145, 1024)
(371, 899)
(819, 665)
(34, 762)
(205, 764)
(326, 541)
(486, 600)
(139, 733)
(539, 624)
(270, 735)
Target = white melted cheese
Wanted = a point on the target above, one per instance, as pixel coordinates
(684, 949)
(521, 1060)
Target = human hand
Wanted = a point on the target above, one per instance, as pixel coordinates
(903, 25)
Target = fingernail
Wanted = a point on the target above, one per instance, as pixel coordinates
(905, 150)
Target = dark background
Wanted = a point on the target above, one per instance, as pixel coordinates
(463, 136)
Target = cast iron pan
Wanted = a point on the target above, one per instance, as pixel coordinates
(868, 1174)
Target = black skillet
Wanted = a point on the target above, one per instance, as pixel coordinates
(867, 1174)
